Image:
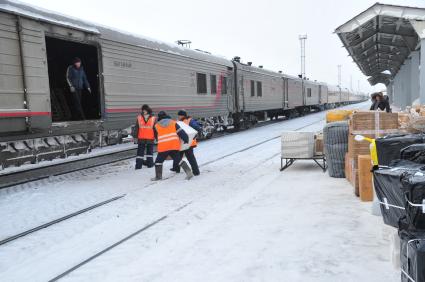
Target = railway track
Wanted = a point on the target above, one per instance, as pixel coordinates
(39, 173)
(58, 220)
(110, 247)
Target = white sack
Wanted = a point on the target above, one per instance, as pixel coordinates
(190, 132)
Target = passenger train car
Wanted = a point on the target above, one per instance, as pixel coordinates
(125, 71)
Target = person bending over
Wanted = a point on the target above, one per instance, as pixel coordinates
(168, 134)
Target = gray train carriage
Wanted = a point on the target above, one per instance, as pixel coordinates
(345, 96)
(260, 92)
(334, 95)
(167, 78)
(313, 94)
(124, 72)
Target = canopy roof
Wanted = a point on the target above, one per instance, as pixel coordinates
(381, 38)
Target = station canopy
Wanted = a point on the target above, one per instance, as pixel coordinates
(381, 38)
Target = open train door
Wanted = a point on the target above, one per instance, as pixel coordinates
(60, 55)
(25, 97)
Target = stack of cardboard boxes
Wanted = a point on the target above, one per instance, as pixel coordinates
(370, 124)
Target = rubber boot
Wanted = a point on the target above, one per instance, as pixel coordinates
(186, 169)
(158, 173)
(139, 163)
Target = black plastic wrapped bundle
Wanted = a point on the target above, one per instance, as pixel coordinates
(414, 153)
(412, 256)
(389, 147)
(413, 186)
(335, 140)
(389, 189)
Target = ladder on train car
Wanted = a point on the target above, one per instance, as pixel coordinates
(60, 109)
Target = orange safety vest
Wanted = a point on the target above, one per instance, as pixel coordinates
(168, 140)
(146, 128)
(194, 142)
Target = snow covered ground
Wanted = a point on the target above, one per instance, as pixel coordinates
(242, 220)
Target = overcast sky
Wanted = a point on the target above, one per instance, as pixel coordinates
(264, 32)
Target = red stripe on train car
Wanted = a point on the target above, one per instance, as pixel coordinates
(135, 110)
(23, 114)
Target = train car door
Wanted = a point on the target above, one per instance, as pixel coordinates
(242, 92)
(320, 94)
(285, 94)
(60, 56)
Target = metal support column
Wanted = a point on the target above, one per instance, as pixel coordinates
(414, 76)
(406, 83)
(397, 90)
(422, 73)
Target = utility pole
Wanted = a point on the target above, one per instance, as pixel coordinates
(339, 76)
(302, 39)
(351, 83)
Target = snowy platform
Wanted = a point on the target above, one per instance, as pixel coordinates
(244, 221)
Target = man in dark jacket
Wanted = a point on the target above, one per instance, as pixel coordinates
(190, 156)
(77, 82)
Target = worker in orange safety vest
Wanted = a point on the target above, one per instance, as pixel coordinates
(168, 134)
(190, 156)
(144, 132)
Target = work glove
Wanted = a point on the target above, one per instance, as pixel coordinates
(88, 89)
(72, 88)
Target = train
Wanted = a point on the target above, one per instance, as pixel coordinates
(125, 71)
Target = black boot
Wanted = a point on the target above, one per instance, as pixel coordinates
(158, 173)
(149, 162)
(139, 163)
(186, 169)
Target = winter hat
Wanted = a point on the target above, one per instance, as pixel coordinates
(182, 113)
(146, 108)
(162, 115)
(76, 60)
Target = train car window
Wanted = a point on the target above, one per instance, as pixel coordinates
(259, 89)
(308, 92)
(223, 85)
(213, 80)
(201, 79)
(252, 88)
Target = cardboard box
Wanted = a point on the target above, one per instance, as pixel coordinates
(365, 178)
(375, 123)
(351, 173)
